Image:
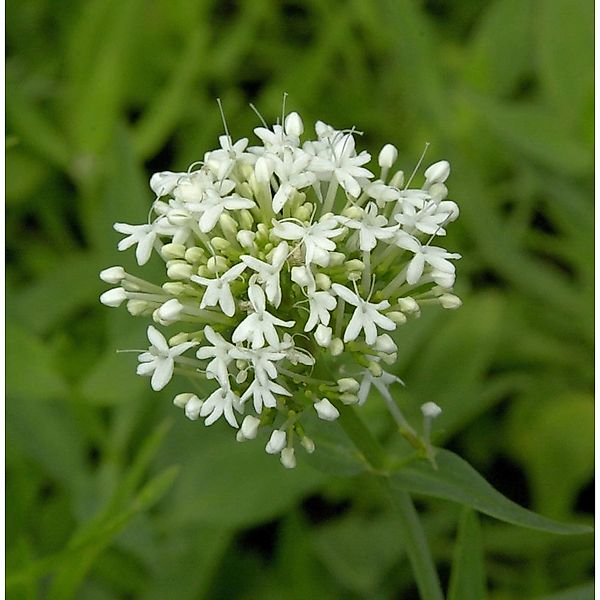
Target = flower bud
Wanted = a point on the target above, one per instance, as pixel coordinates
(246, 238)
(263, 170)
(301, 276)
(336, 347)
(179, 338)
(288, 458)
(307, 444)
(353, 212)
(397, 180)
(114, 297)
(170, 311)
(195, 255)
(375, 369)
(323, 281)
(217, 264)
(293, 124)
(113, 275)
(326, 410)
(349, 398)
(178, 217)
(220, 244)
(171, 251)
(180, 271)
(336, 259)
(450, 301)
(396, 316)
(437, 173)
(323, 335)
(249, 428)
(182, 399)
(245, 218)
(303, 212)
(355, 265)
(385, 343)
(431, 410)
(389, 359)
(438, 192)
(387, 156)
(192, 408)
(228, 224)
(408, 305)
(348, 384)
(137, 307)
(174, 288)
(276, 442)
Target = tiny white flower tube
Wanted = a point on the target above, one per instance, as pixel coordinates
(250, 425)
(294, 125)
(288, 458)
(348, 384)
(113, 275)
(450, 301)
(114, 297)
(387, 156)
(323, 335)
(437, 173)
(326, 410)
(192, 408)
(431, 410)
(276, 442)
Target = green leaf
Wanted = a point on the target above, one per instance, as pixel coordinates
(454, 479)
(467, 580)
(581, 592)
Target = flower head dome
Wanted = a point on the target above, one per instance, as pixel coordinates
(289, 266)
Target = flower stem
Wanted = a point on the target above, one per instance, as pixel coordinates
(412, 534)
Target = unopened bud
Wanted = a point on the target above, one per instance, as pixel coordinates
(348, 384)
(220, 244)
(323, 335)
(396, 316)
(387, 156)
(437, 173)
(262, 170)
(397, 180)
(288, 458)
(113, 275)
(408, 305)
(182, 399)
(228, 224)
(171, 251)
(179, 338)
(192, 408)
(170, 311)
(336, 259)
(293, 124)
(249, 428)
(323, 281)
(174, 288)
(355, 265)
(353, 212)
(349, 398)
(180, 271)
(217, 264)
(137, 307)
(375, 369)
(195, 255)
(276, 442)
(431, 410)
(326, 410)
(385, 343)
(450, 301)
(307, 444)
(336, 347)
(114, 297)
(246, 238)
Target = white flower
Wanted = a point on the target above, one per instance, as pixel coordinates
(366, 316)
(381, 383)
(143, 236)
(268, 274)
(320, 305)
(316, 238)
(159, 361)
(224, 160)
(220, 352)
(165, 182)
(259, 325)
(263, 394)
(326, 410)
(424, 254)
(220, 402)
(218, 290)
(293, 175)
(428, 220)
(345, 165)
(371, 228)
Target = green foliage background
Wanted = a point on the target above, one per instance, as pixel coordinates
(111, 492)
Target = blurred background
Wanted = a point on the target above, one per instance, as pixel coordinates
(111, 492)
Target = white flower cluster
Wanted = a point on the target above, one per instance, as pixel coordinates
(287, 263)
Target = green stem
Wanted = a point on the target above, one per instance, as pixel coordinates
(413, 536)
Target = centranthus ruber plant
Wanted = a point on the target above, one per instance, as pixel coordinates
(288, 265)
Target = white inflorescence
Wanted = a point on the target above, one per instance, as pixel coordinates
(287, 264)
